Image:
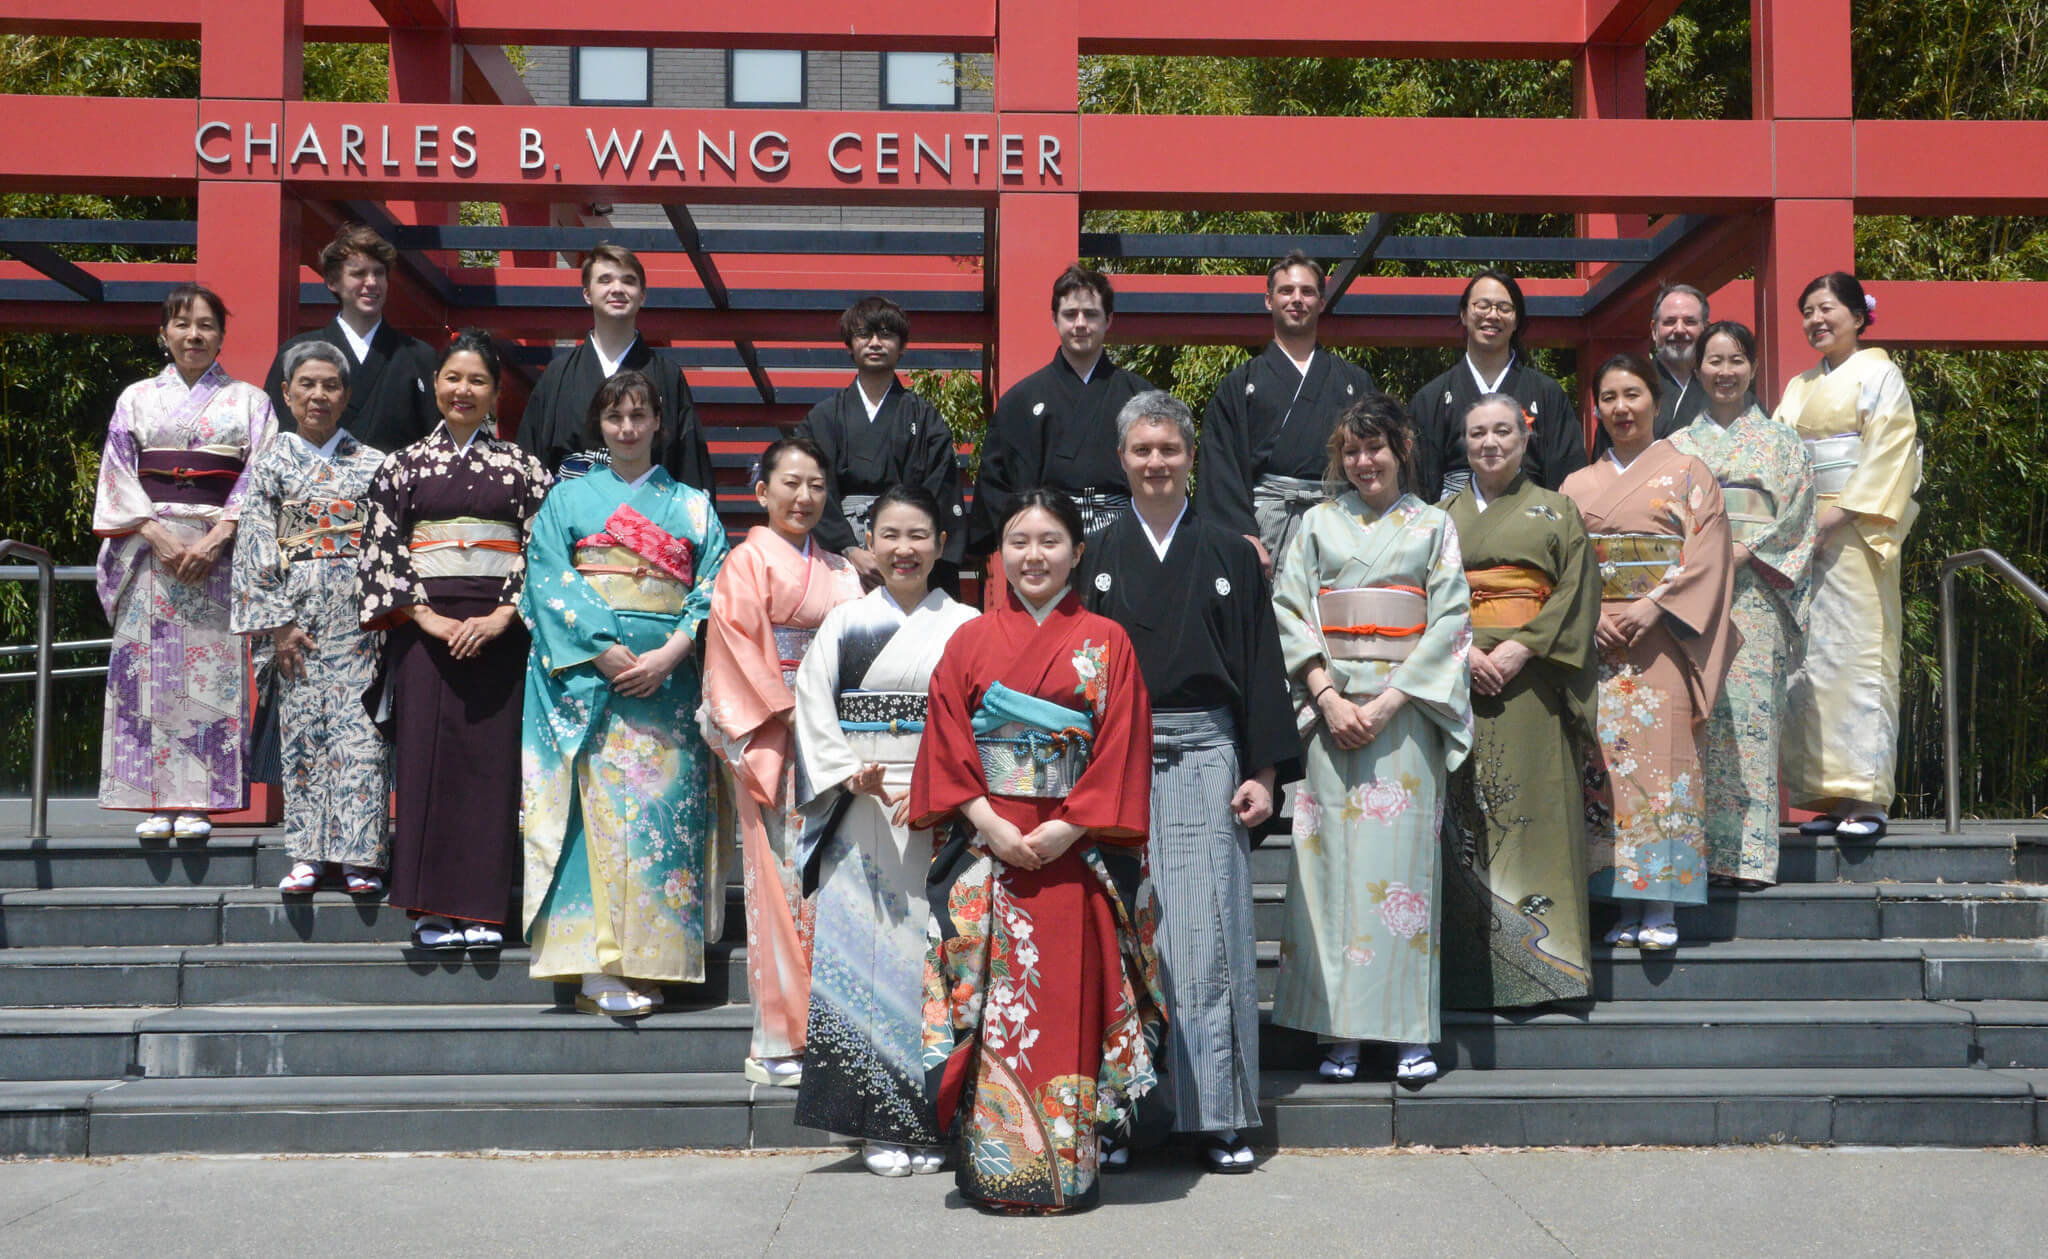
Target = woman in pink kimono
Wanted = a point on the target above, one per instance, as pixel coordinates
(171, 485)
(771, 596)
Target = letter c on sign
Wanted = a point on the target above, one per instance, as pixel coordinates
(832, 152)
(199, 143)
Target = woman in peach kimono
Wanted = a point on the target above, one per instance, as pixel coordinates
(771, 596)
(1842, 701)
(1660, 534)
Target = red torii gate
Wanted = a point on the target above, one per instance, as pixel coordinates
(1774, 196)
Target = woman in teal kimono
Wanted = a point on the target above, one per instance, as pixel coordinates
(1766, 481)
(1375, 626)
(623, 884)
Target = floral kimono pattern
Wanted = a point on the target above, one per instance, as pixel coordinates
(623, 875)
(1645, 819)
(1767, 479)
(295, 564)
(177, 689)
(1042, 1006)
(1359, 956)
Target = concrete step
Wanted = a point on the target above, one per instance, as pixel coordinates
(1907, 1106)
(1971, 970)
(2009, 1034)
(117, 917)
(307, 974)
(228, 859)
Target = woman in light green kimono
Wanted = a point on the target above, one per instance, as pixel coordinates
(623, 887)
(1374, 626)
(1767, 483)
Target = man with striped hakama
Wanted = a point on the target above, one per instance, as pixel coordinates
(1194, 599)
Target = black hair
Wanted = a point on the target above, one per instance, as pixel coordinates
(874, 314)
(473, 341)
(782, 446)
(1635, 365)
(1847, 290)
(1053, 501)
(1739, 333)
(1515, 297)
(916, 496)
(1375, 417)
(622, 384)
(181, 297)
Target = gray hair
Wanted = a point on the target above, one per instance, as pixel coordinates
(304, 352)
(1155, 406)
(1507, 400)
(1706, 310)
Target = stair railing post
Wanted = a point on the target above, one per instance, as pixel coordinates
(46, 637)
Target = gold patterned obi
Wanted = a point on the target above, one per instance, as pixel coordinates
(1834, 460)
(791, 642)
(628, 583)
(464, 547)
(319, 529)
(1750, 512)
(1634, 564)
(1372, 622)
(1507, 596)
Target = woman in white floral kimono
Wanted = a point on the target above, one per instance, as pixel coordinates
(1375, 627)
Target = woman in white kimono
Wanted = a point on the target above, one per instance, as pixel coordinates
(1842, 702)
(171, 486)
(1375, 629)
(860, 714)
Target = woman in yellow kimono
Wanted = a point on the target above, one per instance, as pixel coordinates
(1842, 701)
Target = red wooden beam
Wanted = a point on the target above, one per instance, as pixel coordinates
(403, 14)
(931, 25)
(1951, 167)
(1626, 21)
(1544, 29)
(101, 144)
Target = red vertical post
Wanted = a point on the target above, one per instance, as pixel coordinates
(1608, 81)
(424, 71)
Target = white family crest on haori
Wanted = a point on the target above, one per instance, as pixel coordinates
(1102, 582)
(1222, 585)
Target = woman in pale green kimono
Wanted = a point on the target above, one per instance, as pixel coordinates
(623, 886)
(1515, 905)
(1374, 627)
(1842, 702)
(1767, 484)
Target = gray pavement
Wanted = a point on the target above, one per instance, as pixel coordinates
(1626, 1203)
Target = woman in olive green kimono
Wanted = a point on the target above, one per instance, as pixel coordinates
(1515, 829)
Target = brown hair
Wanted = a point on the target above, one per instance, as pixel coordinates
(618, 256)
(1375, 417)
(180, 299)
(1077, 277)
(621, 385)
(874, 314)
(1296, 258)
(350, 240)
(1635, 365)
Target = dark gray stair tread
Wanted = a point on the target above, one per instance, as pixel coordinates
(2009, 1035)
(2004, 1013)
(383, 1091)
(425, 1018)
(1724, 1082)
(28, 1095)
(111, 897)
(1719, 1014)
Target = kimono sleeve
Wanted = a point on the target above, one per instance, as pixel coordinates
(1009, 465)
(1562, 631)
(258, 600)
(385, 584)
(120, 505)
(708, 536)
(1696, 599)
(1880, 490)
(744, 695)
(535, 421)
(1294, 603)
(531, 485)
(938, 470)
(833, 531)
(1564, 440)
(827, 758)
(1223, 490)
(261, 427)
(1782, 554)
(1112, 800)
(1437, 675)
(688, 457)
(1431, 442)
(1266, 724)
(571, 625)
(948, 773)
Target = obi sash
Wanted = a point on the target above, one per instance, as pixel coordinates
(1099, 507)
(1372, 622)
(201, 478)
(1030, 746)
(1834, 460)
(1750, 512)
(319, 529)
(1293, 494)
(882, 712)
(464, 547)
(791, 642)
(1634, 564)
(635, 565)
(1507, 596)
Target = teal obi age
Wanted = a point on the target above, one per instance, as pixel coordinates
(1029, 746)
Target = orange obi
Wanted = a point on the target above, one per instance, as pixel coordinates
(1372, 622)
(1507, 596)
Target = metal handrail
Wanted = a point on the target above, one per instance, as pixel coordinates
(1951, 753)
(46, 637)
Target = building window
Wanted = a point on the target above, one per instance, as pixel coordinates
(758, 79)
(920, 80)
(610, 76)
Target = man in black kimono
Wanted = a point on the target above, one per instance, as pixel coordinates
(876, 433)
(1677, 318)
(1195, 601)
(1057, 426)
(1266, 434)
(390, 375)
(1493, 313)
(615, 286)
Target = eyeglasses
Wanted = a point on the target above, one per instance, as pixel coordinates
(1483, 307)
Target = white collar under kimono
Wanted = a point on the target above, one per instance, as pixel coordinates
(327, 448)
(1039, 614)
(1161, 544)
(640, 480)
(873, 405)
(359, 345)
(610, 366)
(1477, 379)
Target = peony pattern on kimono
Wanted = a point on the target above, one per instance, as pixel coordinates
(1091, 660)
(1404, 910)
